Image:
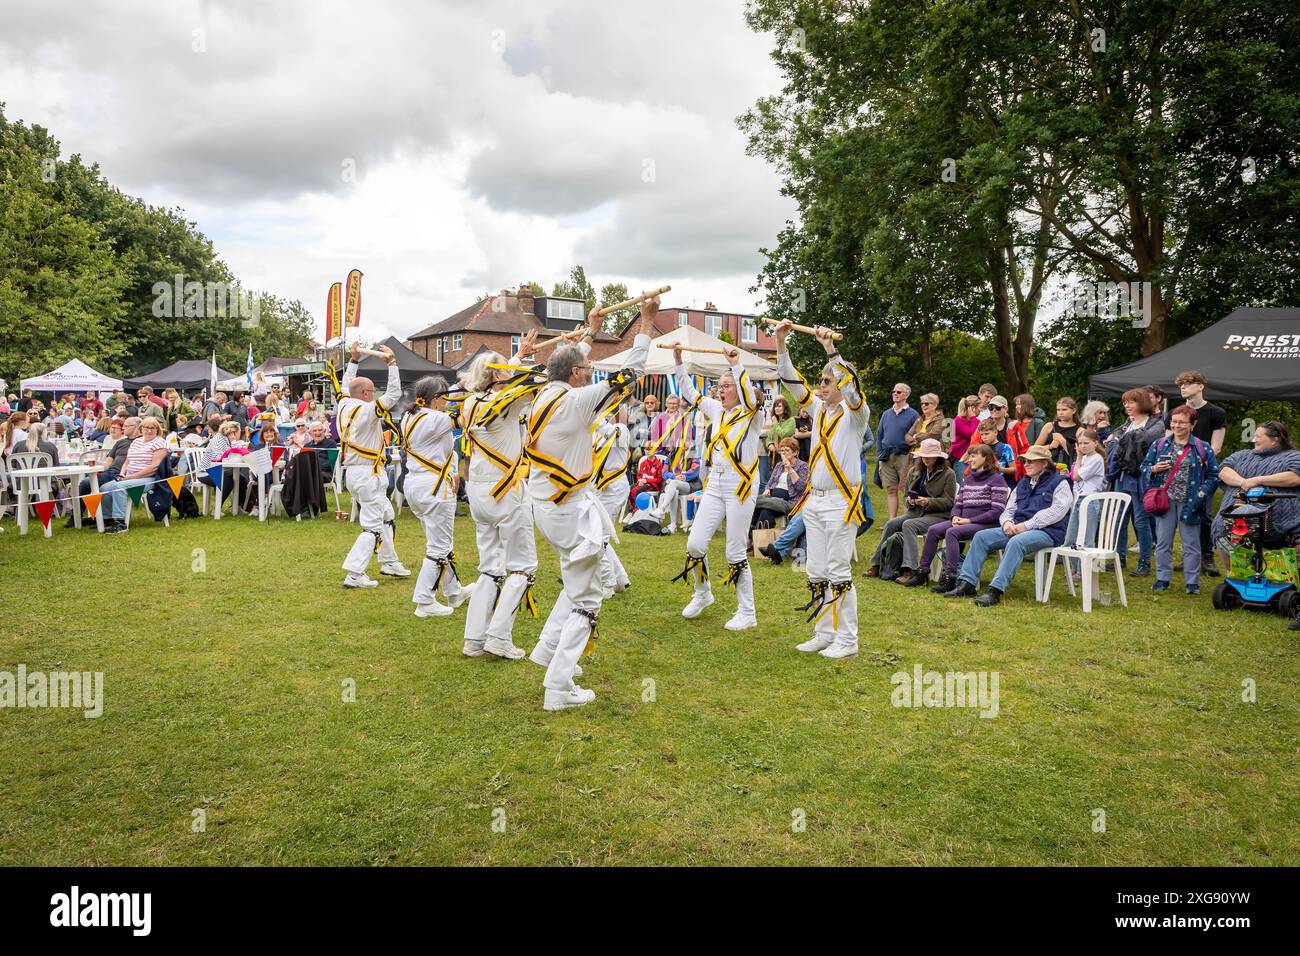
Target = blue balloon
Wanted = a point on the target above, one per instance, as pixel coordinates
(643, 501)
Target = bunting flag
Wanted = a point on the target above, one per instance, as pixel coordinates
(137, 494)
(92, 504)
(44, 509)
(259, 462)
(174, 483)
(352, 311)
(214, 475)
(333, 455)
(334, 313)
(277, 452)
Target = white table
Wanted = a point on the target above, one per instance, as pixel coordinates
(237, 464)
(57, 471)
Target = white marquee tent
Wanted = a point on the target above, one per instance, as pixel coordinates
(708, 364)
(74, 376)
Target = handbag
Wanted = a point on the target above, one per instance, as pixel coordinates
(764, 535)
(1156, 500)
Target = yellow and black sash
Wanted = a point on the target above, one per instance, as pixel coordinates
(442, 471)
(604, 478)
(730, 444)
(826, 429)
(566, 482)
(374, 455)
(513, 470)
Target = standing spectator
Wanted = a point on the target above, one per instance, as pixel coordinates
(1018, 431)
(91, 401)
(985, 393)
(929, 500)
(1097, 417)
(803, 433)
(25, 403)
(892, 449)
(1089, 476)
(965, 428)
(1189, 472)
(1210, 427)
(929, 425)
(1006, 461)
(780, 426)
(1127, 449)
(1158, 404)
(216, 405)
(979, 503)
(671, 425)
(307, 399)
(998, 416)
(1059, 436)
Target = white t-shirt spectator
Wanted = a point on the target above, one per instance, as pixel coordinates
(140, 455)
(1089, 475)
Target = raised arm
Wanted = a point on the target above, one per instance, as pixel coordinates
(526, 345)
(393, 393)
(596, 398)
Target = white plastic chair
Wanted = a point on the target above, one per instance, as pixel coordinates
(38, 489)
(196, 464)
(1110, 521)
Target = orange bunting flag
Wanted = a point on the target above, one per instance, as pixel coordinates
(352, 310)
(43, 511)
(92, 504)
(174, 483)
(334, 313)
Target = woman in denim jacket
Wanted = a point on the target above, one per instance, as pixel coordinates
(1190, 490)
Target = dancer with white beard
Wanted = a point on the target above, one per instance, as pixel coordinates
(361, 419)
(567, 512)
(609, 477)
(730, 491)
(832, 500)
(430, 488)
(503, 522)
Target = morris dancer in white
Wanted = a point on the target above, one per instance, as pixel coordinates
(609, 476)
(503, 522)
(361, 419)
(430, 489)
(567, 512)
(730, 492)
(832, 500)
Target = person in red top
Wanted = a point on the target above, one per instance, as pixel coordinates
(92, 403)
(649, 477)
(964, 428)
(307, 398)
(1017, 431)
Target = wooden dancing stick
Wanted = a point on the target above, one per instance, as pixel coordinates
(361, 350)
(714, 350)
(571, 336)
(836, 336)
(635, 300)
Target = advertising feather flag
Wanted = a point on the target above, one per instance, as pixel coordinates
(334, 313)
(352, 311)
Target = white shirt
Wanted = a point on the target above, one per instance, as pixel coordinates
(742, 432)
(359, 422)
(560, 423)
(847, 436)
(426, 435)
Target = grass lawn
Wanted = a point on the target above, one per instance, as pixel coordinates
(224, 692)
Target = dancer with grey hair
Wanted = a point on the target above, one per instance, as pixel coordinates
(561, 469)
(503, 523)
(430, 483)
(361, 418)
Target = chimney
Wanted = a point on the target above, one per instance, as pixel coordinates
(710, 307)
(526, 297)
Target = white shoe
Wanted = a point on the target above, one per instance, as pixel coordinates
(741, 622)
(470, 649)
(819, 642)
(506, 649)
(354, 580)
(672, 529)
(575, 696)
(461, 596)
(840, 651)
(622, 586)
(432, 609)
(698, 603)
(606, 594)
(394, 570)
(541, 659)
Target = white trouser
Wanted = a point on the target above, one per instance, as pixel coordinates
(673, 488)
(438, 517)
(720, 504)
(507, 559)
(830, 556)
(370, 492)
(612, 572)
(574, 530)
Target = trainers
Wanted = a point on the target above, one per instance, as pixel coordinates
(395, 570)
(840, 651)
(575, 696)
(1160, 586)
(506, 649)
(741, 622)
(818, 642)
(1193, 589)
(699, 602)
(354, 580)
(461, 596)
(471, 649)
(432, 609)
(1142, 570)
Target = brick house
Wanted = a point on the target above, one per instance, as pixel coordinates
(498, 322)
(745, 330)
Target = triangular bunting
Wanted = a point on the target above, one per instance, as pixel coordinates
(277, 452)
(214, 475)
(92, 504)
(174, 483)
(333, 455)
(43, 510)
(137, 494)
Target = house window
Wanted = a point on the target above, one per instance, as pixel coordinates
(442, 347)
(683, 318)
(712, 325)
(455, 343)
(749, 330)
(561, 309)
(514, 344)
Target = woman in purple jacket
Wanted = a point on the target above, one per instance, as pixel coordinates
(980, 501)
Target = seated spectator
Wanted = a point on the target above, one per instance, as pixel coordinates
(1089, 476)
(930, 492)
(266, 435)
(1006, 459)
(143, 457)
(1272, 463)
(1035, 517)
(13, 431)
(99, 430)
(784, 486)
(965, 432)
(1195, 477)
(649, 477)
(980, 501)
(37, 441)
(218, 447)
(319, 439)
(678, 483)
(299, 437)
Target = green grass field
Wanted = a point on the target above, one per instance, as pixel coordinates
(224, 692)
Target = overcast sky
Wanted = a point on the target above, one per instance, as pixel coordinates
(491, 142)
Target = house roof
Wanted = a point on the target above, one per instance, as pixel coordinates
(486, 315)
(666, 323)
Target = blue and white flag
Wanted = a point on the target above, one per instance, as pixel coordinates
(248, 368)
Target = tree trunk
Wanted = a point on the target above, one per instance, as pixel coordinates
(1014, 372)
